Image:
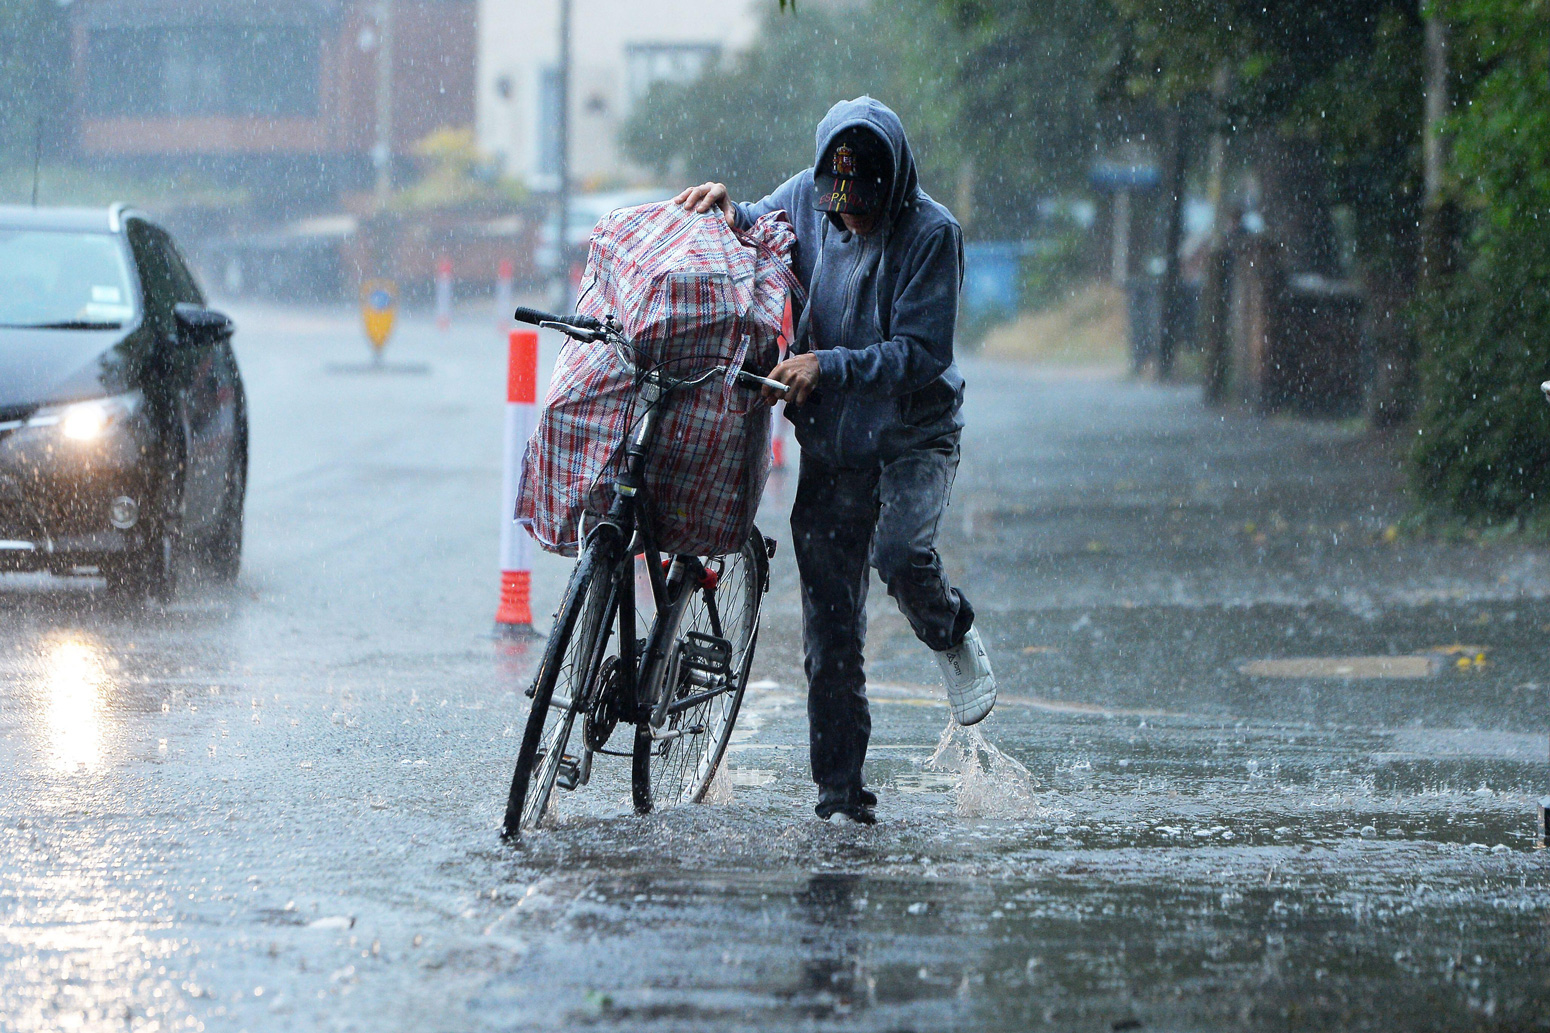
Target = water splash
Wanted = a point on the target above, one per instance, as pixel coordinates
(720, 789)
(990, 784)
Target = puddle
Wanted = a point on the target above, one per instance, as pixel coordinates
(753, 776)
(926, 782)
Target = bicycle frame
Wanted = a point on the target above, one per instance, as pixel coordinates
(641, 696)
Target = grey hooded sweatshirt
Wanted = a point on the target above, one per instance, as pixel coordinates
(883, 307)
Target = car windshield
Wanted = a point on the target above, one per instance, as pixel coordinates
(57, 278)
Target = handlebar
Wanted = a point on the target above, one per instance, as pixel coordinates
(753, 381)
(589, 328)
(538, 318)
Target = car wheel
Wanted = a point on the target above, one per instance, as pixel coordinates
(150, 570)
(223, 549)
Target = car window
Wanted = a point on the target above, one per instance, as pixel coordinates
(155, 277)
(63, 278)
(184, 286)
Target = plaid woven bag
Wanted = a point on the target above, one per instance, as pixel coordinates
(692, 294)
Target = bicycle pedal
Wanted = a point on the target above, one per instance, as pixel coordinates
(708, 656)
(569, 775)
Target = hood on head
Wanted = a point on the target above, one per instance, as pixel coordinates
(873, 114)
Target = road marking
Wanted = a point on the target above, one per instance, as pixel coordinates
(1390, 667)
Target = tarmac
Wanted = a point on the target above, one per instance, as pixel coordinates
(1261, 760)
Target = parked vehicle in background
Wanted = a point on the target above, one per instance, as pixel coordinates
(123, 421)
(585, 212)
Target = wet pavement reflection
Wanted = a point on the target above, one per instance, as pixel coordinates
(1269, 763)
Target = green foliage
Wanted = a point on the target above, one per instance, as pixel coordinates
(994, 95)
(1483, 436)
(1345, 74)
(1025, 102)
(1348, 74)
(1483, 448)
(455, 175)
(1049, 274)
(1366, 113)
(751, 123)
(1271, 52)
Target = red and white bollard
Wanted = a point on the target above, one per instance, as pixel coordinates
(505, 273)
(444, 294)
(778, 436)
(514, 617)
(778, 410)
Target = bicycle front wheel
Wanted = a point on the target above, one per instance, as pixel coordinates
(561, 690)
(707, 672)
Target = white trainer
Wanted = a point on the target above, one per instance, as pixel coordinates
(971, 685)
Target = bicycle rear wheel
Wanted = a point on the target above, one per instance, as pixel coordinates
(707, 673)
(561, 689)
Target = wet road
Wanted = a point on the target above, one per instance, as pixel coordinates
(1266, 784)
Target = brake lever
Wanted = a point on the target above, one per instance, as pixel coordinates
(748, 379)
(573, 331)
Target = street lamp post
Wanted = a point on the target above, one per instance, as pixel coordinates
(562, 145)
(382, 152)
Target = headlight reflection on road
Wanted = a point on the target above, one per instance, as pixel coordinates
(75, 684)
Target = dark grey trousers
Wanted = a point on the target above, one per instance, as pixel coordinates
(844, 520)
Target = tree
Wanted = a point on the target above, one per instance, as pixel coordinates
(1344, 74)
(1483, 439)
(750, 122)
(999, 100)
(1025, 95)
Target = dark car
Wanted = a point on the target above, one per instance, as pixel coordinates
(123, 422)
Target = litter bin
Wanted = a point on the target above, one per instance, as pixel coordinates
(1143, 309)
(992, 280)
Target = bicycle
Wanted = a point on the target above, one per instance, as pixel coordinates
(681, 685)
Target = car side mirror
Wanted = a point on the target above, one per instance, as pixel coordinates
(199, 326)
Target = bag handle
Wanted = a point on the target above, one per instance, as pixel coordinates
(783, 269)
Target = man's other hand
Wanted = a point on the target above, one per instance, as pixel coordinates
(706, 196)
(800, 375)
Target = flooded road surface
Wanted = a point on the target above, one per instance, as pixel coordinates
(1260, 761)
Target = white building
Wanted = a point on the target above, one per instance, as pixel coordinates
(618, 49)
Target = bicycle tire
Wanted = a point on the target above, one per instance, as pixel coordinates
(674, 772)
(582, 622)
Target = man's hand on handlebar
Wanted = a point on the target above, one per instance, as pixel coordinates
(706, 196)
(800, 375)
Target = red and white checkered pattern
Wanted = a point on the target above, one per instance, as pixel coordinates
(692, 294)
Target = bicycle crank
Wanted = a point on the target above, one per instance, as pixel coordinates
(607, 706)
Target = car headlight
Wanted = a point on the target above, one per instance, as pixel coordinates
(88, 420)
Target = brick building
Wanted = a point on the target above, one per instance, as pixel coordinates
(278, 96)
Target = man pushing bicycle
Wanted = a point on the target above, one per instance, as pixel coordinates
(875, 398)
